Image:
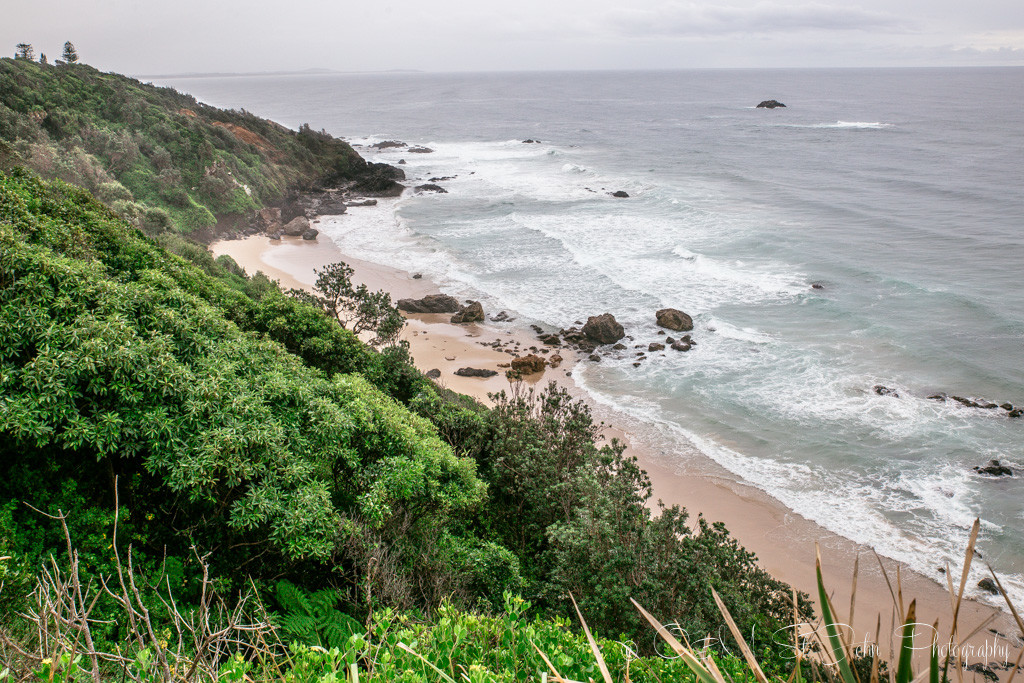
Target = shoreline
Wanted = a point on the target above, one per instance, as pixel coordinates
(783, 540)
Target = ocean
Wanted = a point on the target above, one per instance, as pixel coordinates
(899, 193)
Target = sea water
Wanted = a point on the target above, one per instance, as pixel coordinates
(899, 193)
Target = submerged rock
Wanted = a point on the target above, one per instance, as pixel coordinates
(882, 390)
(430, 187)
(994, 468)
(432, 303)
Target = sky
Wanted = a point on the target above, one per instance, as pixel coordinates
(155, 38)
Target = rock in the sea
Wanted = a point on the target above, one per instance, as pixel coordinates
(994, 468)
(674, 319)
(362, 202)
(501, 317)
(430, 187)
(817, 285)
(530, 141)
(419, 149)
(432, 303)
(883, 390)
(310, 234)
(770, 104)
(621, 194)
(388, 143)
(417, 276)
(401, 162)
(1016, 412)
(682, 345)
(296, 226)
(594, 357)
(433, 374)
(988, 585)
(471, 313)
(654, 346)
(475, 372)
(603, 329)
(527, 365)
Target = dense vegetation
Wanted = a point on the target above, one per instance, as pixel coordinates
(219, 427)
(159, 157)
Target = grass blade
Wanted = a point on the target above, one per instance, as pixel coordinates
(744, 648)
(831, 627)
(593, 643)
(904, 670)
(687, 655)
(442, 674)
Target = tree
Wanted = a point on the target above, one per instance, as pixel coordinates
(356, 308)
(25, 51)
(70, 55)
(42, 58)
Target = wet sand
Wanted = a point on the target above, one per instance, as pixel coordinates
(783, 540)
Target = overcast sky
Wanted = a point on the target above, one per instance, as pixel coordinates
(142, 37)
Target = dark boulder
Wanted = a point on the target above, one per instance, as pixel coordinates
(386, 144)
(432, 303)
(419, 149)
(528, 365)
(621, 194)
(594, 357)
(475, 372)
(619, 347)
(882, 390)
(989, 586)
(310, 234)
(296, 226)
(433, 374)
(472, 313)
(994, 469)
(275, 236)
(770, 104)
(682, 345)
(555, 360)
(362, 202)
(1016, 412)
(550, 339)
(654, 346)
(603, 329)
(530, 141)
(430, 187)
(674, 319)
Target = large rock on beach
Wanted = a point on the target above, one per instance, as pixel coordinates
(432, 303)
(674, 319)
(770, 104)
(296, 226)
(473, 312)
(603, 329)
(310, 234)
(269, 218)
(528, 365)
(475, 372)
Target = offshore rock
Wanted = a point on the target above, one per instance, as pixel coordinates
(994, 469)
(770, 104)
(882, 390)
(388, 144)
(674, 319)
(654, 346)
(472, 313)
(621, 194)
(419, 149)
(432, 303)
(431, 187)
(603, 329)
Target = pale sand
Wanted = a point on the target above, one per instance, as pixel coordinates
(783, 540)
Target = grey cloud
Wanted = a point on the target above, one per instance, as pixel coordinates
(694, 20)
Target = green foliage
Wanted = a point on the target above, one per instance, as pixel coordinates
(354, 307)
(313, 618)
(166, 150)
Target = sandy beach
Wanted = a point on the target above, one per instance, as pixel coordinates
(783, 540)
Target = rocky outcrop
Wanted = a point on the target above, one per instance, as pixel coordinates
(388, 144)
(473, 312)
(989, 586)
(655, 346)
(994, 468)
(770, 104)
(419, 149)
(674, 319)
(621, 194)
(361, 202)
(269, 219)
(683, 344)
(475, 372)
(296, 226)
(603, 329)
(431, 187)
(433, 374)
(528, 365)
(310, 234)
(530, 141)
(380, 180)
(882, 390)
(432, 303)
